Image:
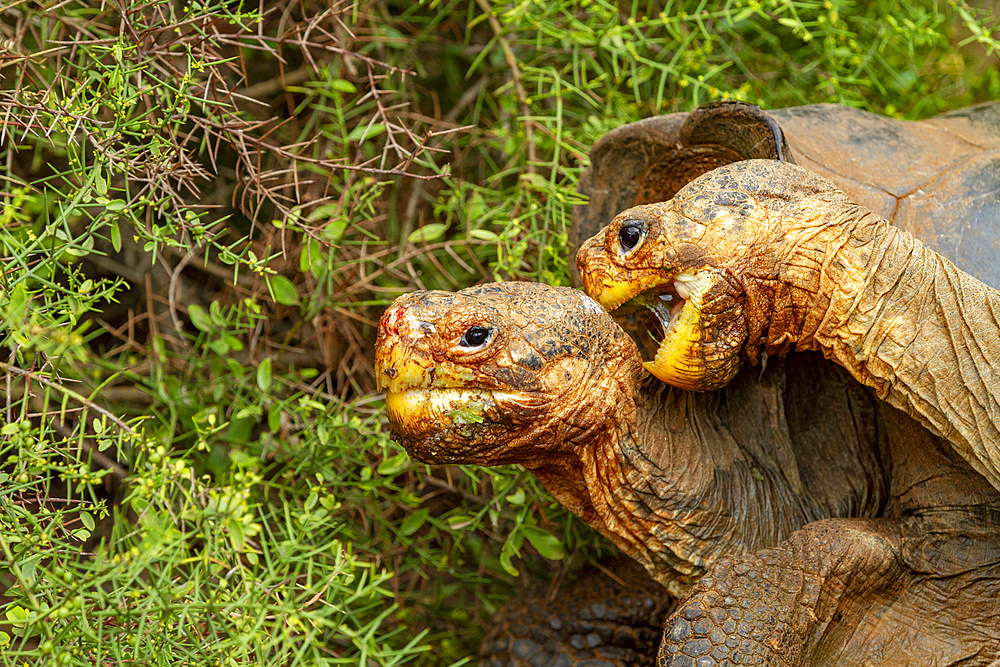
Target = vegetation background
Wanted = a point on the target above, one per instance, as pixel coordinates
(204, 207)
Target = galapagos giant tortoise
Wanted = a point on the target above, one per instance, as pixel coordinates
(800, 520)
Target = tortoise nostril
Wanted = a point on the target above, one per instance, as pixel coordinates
(390, 320)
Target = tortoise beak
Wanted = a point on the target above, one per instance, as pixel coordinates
(403, 358)
(610, 284)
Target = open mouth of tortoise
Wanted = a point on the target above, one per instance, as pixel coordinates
(675, 300)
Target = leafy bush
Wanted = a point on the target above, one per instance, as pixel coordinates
(206, 205)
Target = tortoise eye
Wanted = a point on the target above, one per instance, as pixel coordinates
(631, 234)
(476, 336)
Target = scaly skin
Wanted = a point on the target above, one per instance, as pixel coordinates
(786, 261)
(920, 589)
(610, 616)
(744, 492)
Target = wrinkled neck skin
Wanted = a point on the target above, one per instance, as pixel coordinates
(693, 476)
(900, 317)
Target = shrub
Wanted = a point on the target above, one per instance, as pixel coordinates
(205, 206)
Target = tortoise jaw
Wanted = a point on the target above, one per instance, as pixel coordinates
(425, 412)
(434, 406)
(676, 300)
(679, 361)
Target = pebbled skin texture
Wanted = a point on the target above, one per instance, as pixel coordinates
(917, 586)
(610, 616)
(837, 593)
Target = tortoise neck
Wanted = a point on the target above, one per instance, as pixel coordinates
(821, 264)
(903, 320)
(699, 475)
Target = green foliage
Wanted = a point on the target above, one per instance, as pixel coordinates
(205, 208)
(540, 82)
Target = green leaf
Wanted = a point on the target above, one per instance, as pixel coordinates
(116, 236)
(264, 374)
(17, 615)
(311, 501)
(83, 249)
(394, 465)
(414, 522)
(199, 318)
(343, 86)
(427, 233)
(274, 419)
(312, 258)
(236, 535)
(507, 565)
(17, 308)
(100, 185)
(535, 181)
(28, 568)
(87, 520)
(284, 291)
(334, 229)
(516, 498)
(365, 132)
(232, 342)
(484, 235)
(547, 544)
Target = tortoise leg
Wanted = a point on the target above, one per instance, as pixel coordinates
(847, 592)
(602, 617)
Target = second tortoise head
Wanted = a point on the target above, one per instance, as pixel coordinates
(690, 259)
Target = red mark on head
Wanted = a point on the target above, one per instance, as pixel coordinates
(390, 320)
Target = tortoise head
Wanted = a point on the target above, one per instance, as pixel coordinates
(691, 259)
(651, 160)
(501, 373)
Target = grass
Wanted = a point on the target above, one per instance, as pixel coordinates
(204, 208)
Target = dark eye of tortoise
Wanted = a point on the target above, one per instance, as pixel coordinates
(630, 235)
(476, 336)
